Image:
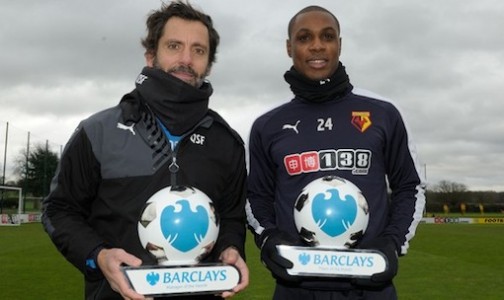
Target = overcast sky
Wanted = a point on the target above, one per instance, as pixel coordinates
(442, 62)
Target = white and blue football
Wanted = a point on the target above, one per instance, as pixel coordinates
(179, 226)
(331, 212)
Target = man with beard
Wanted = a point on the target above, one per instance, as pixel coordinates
(161, 134)
(329, 128)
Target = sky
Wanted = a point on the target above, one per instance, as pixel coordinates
(441, 62)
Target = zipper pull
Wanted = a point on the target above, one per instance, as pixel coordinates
(173, 166)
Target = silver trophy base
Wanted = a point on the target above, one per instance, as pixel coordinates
(182, 280)
(330, 262)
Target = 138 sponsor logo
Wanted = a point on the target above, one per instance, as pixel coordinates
(358, 161)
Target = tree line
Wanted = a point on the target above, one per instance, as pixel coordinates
(36, 169)
(448, 196)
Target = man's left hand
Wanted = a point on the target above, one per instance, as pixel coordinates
(387, 246)
(231, 256)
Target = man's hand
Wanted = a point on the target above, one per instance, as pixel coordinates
(110, 261)
(231, 256)
(270, 256)
(387, 246)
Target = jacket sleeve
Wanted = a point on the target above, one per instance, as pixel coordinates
(67, 207)
(261, 185)
(406, 183)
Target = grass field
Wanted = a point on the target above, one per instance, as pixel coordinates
(445, 261)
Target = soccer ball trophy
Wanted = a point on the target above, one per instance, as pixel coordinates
(331, 215)
(331, 211)
(179, 227)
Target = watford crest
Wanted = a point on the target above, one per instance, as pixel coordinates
(361, 120)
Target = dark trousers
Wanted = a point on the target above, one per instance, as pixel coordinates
(294, 293)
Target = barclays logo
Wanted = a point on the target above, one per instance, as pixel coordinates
(336, 260)
(184, 228)
(304, 258)
(182, 277)
(152, 278)
(194, 276)
(362, 261)
(334, 215)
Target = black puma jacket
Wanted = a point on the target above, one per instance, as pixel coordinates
(116, 160)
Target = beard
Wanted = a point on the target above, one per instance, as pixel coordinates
(197, 80)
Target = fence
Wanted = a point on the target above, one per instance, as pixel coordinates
(16, 144)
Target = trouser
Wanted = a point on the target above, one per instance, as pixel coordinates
(295, 293)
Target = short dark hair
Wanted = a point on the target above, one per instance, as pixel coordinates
(310, 9)
(158, 18)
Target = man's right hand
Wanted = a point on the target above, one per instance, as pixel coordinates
(277, 264)
(110, 262)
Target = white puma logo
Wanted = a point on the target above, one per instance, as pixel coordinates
(141, 78)
(293, 127)
(125, 127)
(322, 82)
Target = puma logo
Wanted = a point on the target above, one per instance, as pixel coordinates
(322, 82)
(125, 127)
(141, 78)
(293, 127)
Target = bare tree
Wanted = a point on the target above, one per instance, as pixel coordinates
(445, 186)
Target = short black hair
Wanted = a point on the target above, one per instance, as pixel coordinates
(310, 9)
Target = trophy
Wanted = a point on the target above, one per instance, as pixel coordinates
(179, 226)
(331, 215)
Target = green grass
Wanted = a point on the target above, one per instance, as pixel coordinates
(453, 261)
(448, 261)
(31, 267)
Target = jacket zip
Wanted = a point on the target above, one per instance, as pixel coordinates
(174, 167)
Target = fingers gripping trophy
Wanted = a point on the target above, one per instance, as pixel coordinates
(179, 227)
(331, 215)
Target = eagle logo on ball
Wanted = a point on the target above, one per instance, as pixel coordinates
(178, 225)
(331, 212)
(182, 227)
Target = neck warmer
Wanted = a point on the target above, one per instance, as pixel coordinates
(318, 91)
(177, 104)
